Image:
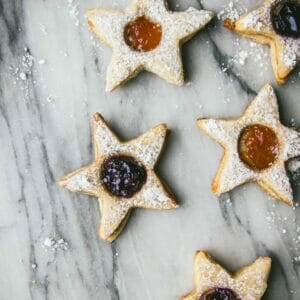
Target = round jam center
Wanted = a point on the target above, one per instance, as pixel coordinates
(220, 294)
(142, 34)
(285, 17)
(258, 147)
(122, 175)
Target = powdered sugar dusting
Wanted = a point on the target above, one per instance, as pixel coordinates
(164, 60)
(263, 110)
(146, 150)
(259, 22)
(250, 283)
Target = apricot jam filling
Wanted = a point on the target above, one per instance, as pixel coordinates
(142, 34)
(258, 147)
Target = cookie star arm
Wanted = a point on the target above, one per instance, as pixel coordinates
(148, 146)
(223, 131)
(285, 56)
(264, 108)
(187, 24)
(84, 180)
(231, 173)
(120, 70)
(167, 65)
(105, 141)
(255, 23)
(114, 215)
(209, 274)
(154, 195)
(253, 278)
(101, 21)
(277, 183)
(292, 140)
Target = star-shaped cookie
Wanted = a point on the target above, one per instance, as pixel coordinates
(268, 146)
(161, 31)
(259, 26)
(122, 176)
(212, 281)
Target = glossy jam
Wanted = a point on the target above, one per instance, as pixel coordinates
(258, 147)
(122, 175)
(142, 34)
(219, 294)
(285, 17)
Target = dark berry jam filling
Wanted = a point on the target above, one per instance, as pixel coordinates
(122, 175)
(220, 294)
(285, 17)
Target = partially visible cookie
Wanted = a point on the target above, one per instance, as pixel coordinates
(212, 281)
(122, 176)
(256, 148)
(276, 23)
(146, 36)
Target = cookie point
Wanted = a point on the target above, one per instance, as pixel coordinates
(163, 126)
(175, 205)
(215, 187)
(202, 254)
(97, 117)
(110, 88)
(268, 86)
(266, 259)
(62, 182)
(200, 123)
(89, 15)
(103, 236)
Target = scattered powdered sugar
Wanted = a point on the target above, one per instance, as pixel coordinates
(55, 244)
(231, 11)
(74, 11)
(43, 29)
(23, 76)
(24, 69)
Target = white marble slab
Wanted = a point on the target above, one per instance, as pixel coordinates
(52, 79)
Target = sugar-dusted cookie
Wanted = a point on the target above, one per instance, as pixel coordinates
(276, 23)
(212, 281)
(146, 36)
(256, 148)
(122, 176)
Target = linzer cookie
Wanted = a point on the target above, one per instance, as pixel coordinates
(276, 23)
(213, 282)
(122, 176)
(256, 148)
(146, 36)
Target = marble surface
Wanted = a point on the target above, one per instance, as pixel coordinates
(52, 79)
